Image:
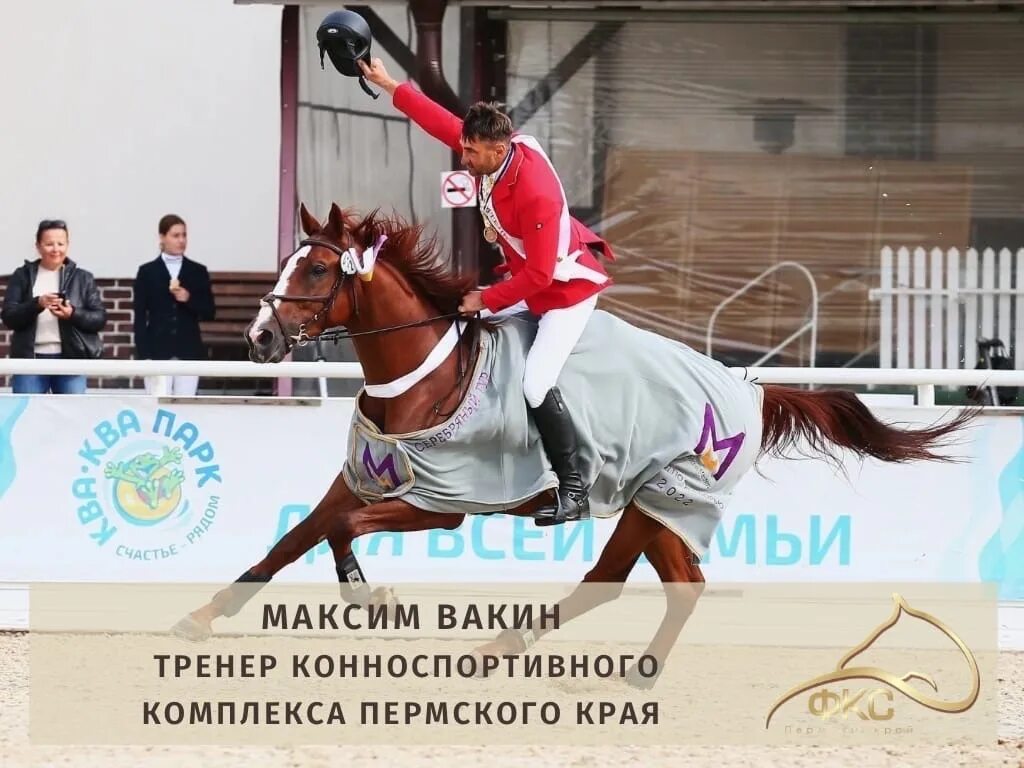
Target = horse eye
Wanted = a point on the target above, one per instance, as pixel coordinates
(319, 269)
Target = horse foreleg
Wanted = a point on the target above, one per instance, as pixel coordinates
(394, 516)
(603, 583)
(684, 584)
(337, 501)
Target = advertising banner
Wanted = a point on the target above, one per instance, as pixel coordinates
(99, 488)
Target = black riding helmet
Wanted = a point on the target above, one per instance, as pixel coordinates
(345, 37)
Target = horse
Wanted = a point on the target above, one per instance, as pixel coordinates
(384, 282)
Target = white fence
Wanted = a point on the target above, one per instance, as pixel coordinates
(957, 299)
(923, 380)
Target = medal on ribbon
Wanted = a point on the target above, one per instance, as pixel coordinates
(487, 188)
(490, 233)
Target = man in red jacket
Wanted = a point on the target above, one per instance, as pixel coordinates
(553, 271)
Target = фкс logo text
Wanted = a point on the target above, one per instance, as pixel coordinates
(875, 703)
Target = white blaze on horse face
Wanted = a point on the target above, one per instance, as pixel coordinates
(265, 315)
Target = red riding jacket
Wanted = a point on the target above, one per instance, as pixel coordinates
(547, 251)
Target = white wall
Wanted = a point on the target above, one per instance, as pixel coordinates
(115, 112)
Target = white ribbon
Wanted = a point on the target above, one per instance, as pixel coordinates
(437, 356)
(350, 260)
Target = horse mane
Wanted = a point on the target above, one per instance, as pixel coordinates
(417, 255)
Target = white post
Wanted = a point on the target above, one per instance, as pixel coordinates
(926, 394)
(1003, 301)
(936, 324)
(953, 311)
(970, 351)
(885, 330)
(903, 308)
(920, 279)
(1018, 334)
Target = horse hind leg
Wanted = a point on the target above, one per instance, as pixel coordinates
(683, 581)
(602, 584)
(672, 560)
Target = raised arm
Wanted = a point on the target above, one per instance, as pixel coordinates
(417, 106)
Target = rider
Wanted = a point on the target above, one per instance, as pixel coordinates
(553, 271)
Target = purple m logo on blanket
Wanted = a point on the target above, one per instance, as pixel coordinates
(378, 471)
(708, 453)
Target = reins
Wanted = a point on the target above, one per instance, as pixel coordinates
(337, 334)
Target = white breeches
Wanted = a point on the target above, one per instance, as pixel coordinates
(171, 385)
(557, 334)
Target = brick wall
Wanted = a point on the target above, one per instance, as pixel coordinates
(236, 294)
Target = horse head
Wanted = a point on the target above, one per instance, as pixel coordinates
(316, 288)
(376, 277)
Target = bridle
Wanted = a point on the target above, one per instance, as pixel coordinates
(327, 301)
(348, 267)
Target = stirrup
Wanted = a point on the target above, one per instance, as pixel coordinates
(559, 513)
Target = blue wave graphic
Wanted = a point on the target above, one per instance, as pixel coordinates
(10, 409)
(1002, 558)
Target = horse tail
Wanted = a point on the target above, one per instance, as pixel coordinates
(832, 419)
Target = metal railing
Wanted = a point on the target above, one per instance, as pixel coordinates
(924, 380)
(811, 325)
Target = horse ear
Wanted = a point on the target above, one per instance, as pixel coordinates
(309, 224)
(335, 221)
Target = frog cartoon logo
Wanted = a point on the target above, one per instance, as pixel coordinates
(147, 494)
(147, 487)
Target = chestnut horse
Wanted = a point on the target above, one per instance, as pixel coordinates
(395, 319)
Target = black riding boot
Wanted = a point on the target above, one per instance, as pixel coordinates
(559, 438)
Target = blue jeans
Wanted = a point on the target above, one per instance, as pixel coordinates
(40, 384)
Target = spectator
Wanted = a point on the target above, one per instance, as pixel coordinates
(54, 308)
(172, 294)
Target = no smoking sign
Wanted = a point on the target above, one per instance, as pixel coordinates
(458, 190)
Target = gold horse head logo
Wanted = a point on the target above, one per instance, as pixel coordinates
(842, 672)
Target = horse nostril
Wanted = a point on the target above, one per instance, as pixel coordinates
(264, 337)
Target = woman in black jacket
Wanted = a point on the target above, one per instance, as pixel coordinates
(55, 311)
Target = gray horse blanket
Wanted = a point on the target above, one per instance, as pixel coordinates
(660, 425)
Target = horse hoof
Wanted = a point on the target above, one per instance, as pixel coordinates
(480, 672)
(383, 596)
(635, 680)
(386, 596)
(193, 631)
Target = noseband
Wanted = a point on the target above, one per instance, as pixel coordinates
(327, 301)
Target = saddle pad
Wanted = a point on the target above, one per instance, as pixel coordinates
(643, 406)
